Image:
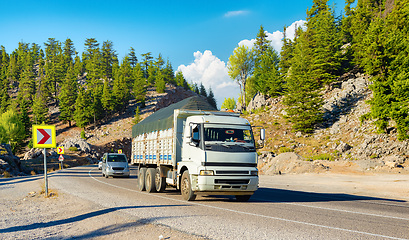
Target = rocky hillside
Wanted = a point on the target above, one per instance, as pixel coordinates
(342, 143)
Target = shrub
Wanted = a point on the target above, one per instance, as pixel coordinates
(373, 156)
(284, 149)
(6, 174)
(323, 156)
(83, 135)
(74, 149)
(30, 144)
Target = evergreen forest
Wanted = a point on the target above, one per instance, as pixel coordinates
(372, 36)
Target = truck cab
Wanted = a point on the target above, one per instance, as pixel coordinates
(220, 156)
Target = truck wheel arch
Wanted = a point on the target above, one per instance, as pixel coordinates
(184, 168)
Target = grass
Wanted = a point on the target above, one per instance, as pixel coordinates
(323, 156)
(6, 174)
(284, 149)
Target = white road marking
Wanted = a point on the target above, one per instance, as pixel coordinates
(364, 201)
(339, 210)
(247, 213)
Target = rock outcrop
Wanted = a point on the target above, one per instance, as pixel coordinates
(10, 165)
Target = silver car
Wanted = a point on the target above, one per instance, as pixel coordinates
(114, 164)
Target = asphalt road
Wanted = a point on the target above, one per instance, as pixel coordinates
(273, 212)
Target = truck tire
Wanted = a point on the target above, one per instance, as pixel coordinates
(150, 180)
(242, 198)
(160, 182)
(186, 187)
(141, 178)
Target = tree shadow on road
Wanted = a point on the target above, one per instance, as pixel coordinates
(81, 218)
(284, 195)
(275, 195)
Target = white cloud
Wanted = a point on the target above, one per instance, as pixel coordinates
(290, 31)
(277, 36)
(211, 72)
(235, 13)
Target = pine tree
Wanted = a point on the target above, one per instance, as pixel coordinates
(160, 82)
(181, 81)
(303, 100)
(68, 96)
(210, 99)
(54, 66)
(82, 109)
(109, 57)
(152, 70)
(24, 117)
(169, 73)
(202, 90)
(324, 38)
(385, 58)
(40, 108)
(137, 117)
(4, 99)
(132, 57)
(27, 84)
(262, 43)
(147, 61)
(106, 99)
(78, 66)
(266, 74)
(139, 86)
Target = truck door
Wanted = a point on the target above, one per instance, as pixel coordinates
(193, 150)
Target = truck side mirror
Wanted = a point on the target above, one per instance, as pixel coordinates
(189, 133)
(188, 136)
(262, 134)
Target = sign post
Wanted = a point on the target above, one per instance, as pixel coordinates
(60, 150)
(61, 158)
(44, 137)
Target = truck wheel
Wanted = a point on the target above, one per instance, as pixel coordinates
(186, 187)
(242, 198)
(160, 182)
(150, 180)
(141, 178)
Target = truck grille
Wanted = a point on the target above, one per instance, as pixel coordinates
(232, 172)
(231, 181)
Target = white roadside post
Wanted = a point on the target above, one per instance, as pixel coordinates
(60, 150)
(44, 136)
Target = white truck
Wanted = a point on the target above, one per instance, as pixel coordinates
(195, 148)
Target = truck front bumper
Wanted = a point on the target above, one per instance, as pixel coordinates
(235, 185)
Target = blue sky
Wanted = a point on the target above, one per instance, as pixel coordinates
(196, 36)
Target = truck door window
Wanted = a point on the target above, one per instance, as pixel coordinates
(196, 134)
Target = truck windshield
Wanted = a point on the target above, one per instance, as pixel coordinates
(116, 158)
(229, 138)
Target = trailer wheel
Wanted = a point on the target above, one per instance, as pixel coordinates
(242, 198)
(160, 182)
(150, 180)
(141, 178)
(186, 187)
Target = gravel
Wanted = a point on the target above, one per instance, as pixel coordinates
(25, 213)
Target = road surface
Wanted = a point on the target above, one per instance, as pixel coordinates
(275, 211)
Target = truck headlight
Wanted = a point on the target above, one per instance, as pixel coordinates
(254, 173)
(206, 172)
